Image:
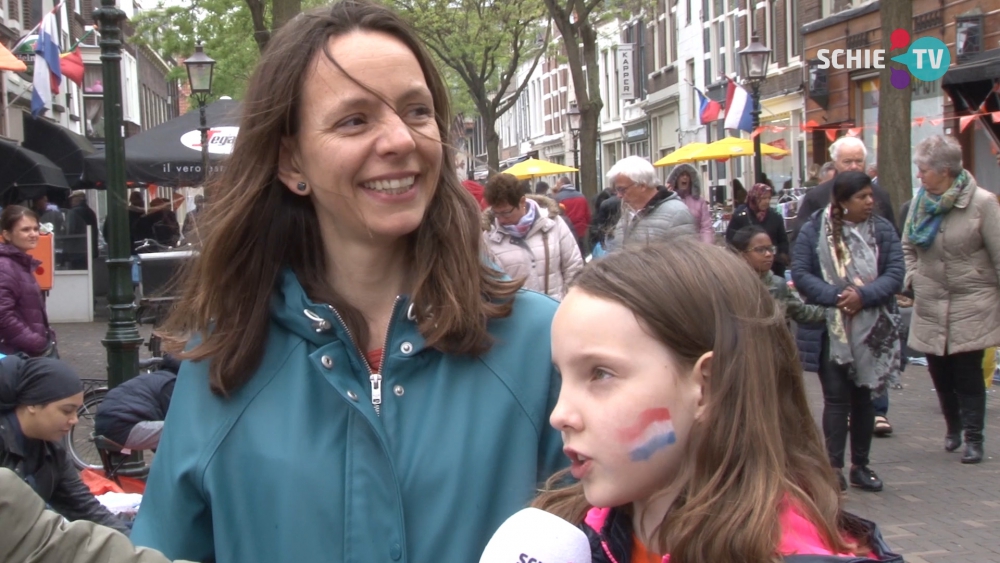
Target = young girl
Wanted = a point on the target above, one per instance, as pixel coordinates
(754, 245)
(683, 412)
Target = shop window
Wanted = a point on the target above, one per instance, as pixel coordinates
(968, 36)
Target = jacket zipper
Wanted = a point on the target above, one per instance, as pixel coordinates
(375, 378)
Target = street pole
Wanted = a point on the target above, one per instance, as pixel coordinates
(122, 341)
(758, 170)
(576, 160)
(204, 140)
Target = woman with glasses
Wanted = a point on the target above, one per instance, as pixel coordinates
(758, 211)
(951, 241)
(527, 238)
(850, 260)
(649, 213)
(754, 245)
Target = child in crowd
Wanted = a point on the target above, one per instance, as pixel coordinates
(684, 413)
(754, 245)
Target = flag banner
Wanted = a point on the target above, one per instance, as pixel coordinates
(626, 72)
(71, 66)
(47, 70)
(738, 108)
(708, 109)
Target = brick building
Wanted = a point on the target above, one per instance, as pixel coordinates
(841, 99)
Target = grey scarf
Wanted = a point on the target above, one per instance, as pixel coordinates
(869, 341)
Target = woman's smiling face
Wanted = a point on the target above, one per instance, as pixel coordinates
(368, 146)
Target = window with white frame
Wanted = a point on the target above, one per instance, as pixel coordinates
(792, 39)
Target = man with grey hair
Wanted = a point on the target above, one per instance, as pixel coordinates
(848, 153)
(827, 171)
(649, 213)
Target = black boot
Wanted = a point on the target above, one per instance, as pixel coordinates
(865, 479)
(952, 419)
(973, 421)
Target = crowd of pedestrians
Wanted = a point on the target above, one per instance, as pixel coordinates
(379, 367)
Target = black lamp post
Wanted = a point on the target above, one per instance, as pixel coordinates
(123, 339)
(199, 69)
(573, 113)
(753, 67)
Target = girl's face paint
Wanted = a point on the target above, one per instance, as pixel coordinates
(651, 432)
(625, 407)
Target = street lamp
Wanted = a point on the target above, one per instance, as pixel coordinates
(573, 113)
(199, 69)
(753, 66)
(123, 340)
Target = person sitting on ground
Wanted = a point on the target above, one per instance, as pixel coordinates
(39, 400)
(131, 414)
(648, 214)
(527, 238)
(755, 246)
(686, 182)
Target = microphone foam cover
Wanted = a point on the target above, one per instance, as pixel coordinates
(535, 536)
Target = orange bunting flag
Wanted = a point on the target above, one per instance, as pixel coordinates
(996, 116)
(831, 134)
(854, 131)
(777, 128)
(918, 121)
(756, 132)
(808, 126)
(937, 121)
(71, 65)
(964, 121)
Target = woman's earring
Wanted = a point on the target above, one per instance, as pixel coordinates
(302, 187)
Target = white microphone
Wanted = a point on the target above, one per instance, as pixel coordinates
(535, 536)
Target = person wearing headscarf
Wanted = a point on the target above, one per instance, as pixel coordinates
(951, 240)
(686, 182)
(39, 399)
(757, 211)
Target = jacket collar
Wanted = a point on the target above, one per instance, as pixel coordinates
(965, 198)
(10, 434)
(18, 255)
(318, 323)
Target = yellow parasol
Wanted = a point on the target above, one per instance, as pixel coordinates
(734, 146)
(533, 167)
(680, 155)
(9, 62)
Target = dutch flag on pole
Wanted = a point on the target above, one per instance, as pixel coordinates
(47, 71)
(738, 108)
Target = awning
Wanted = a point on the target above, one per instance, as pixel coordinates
(62, 146)
(983, 67)
(25, 174)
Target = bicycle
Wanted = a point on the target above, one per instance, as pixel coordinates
(80, 442)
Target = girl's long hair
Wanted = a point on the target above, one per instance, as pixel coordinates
(255, 227)
(756, 448)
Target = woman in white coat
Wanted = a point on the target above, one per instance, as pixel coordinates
(527, 238)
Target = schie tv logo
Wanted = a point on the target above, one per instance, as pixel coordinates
(927, 59)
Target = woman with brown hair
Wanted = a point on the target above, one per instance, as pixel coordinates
(360, 384)
(24, 324)
(850, 260)
(528, 238)
(684, 415)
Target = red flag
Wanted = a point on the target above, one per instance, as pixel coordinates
(831, 134)
(996, 116)
(71, 65)
(708, 109)
(854, 131)
(965, 121)
(918, 121)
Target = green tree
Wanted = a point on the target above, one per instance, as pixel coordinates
(484, 43)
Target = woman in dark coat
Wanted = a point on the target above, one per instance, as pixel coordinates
(757, 211)
(24, 326)
(39, 399)
(850, 260)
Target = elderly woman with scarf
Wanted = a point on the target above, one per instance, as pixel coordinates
(39, 399)
(758, 211)
(850, 260)
(951, 241)
(686, 181)
(527, 238)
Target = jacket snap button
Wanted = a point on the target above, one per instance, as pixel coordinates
(406, 347)
(327, 362)
(398, 390)
(352, 396)
(395, 552)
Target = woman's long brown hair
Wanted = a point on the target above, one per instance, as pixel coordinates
(254, 226)
(757, 445)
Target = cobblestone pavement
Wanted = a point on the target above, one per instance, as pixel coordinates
(933, 508)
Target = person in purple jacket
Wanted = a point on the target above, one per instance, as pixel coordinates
(24, 326)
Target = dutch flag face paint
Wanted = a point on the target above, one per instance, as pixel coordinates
(652, 432)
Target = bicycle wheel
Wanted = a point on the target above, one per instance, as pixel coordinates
(80, 440)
